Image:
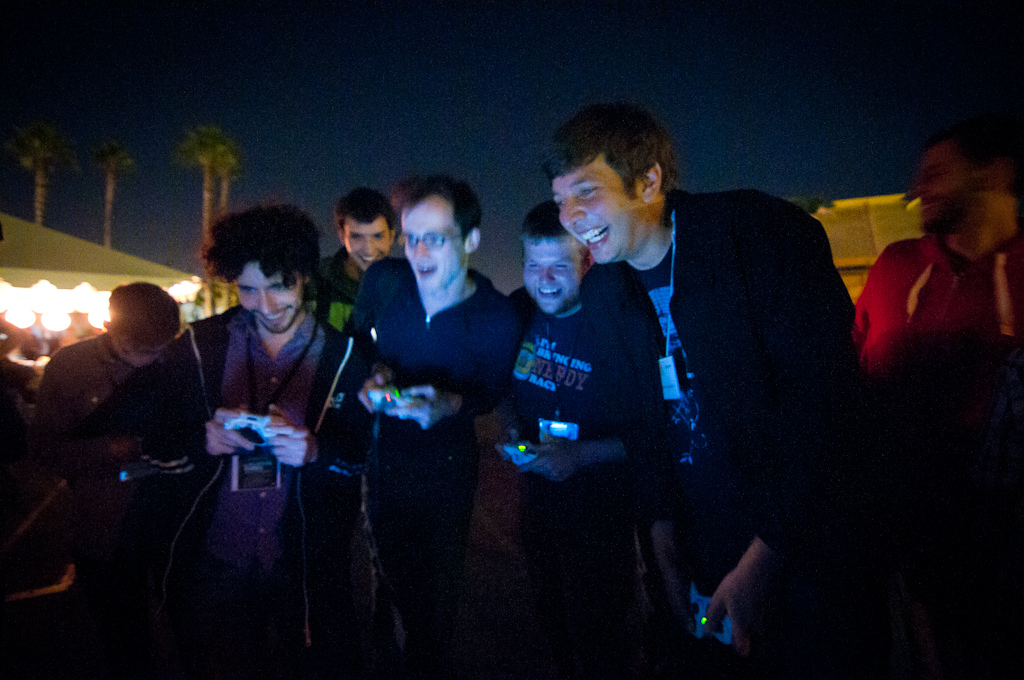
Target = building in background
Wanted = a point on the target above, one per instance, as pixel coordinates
(858, 229)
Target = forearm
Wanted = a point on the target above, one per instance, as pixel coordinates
(591, 451)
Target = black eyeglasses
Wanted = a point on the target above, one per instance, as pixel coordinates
(432, 240)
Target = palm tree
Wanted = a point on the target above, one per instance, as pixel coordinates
(226, 166)
(113, 160)
(206, 147)
(40, 148)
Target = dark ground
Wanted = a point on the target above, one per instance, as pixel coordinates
(47, 632)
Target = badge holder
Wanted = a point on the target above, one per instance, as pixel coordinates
(256, 471)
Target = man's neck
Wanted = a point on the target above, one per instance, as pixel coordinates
(985, 231)
(275, 342)
(352, 269)
(575, 307)
(435, 302)
(653, 237)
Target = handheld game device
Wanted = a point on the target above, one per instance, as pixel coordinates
(699, 607)
(519, 453)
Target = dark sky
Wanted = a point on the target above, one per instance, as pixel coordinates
(322, 97)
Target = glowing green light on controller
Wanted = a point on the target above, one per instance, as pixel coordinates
(703, 620)
(522, 447)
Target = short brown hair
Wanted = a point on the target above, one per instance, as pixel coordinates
(144, 314)
(364, 205)
(630, 138)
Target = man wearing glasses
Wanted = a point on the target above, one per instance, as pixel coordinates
(444, 342)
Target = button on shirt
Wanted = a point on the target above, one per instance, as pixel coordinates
(246, 524)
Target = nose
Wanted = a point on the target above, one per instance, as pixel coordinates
(547, 274)
(569, 212)
(267, 305)
(420, 249)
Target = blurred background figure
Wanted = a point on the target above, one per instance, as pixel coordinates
(93, 407)
(937, 317)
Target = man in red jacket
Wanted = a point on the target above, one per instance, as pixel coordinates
(937, 316)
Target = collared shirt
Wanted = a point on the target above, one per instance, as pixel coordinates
(247, 524)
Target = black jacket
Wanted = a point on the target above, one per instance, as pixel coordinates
(765, 321)
(190, 397)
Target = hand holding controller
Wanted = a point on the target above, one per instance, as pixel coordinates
(699, 608)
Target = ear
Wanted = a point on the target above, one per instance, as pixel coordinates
(999, 175)
(650, 184)
(472, 241)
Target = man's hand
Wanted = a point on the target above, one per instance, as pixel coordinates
(740, 595)
(556, 460)
(664, 544)
(426, 405)
(222, 442)
(291, 444)
(296, 448)
(380, 378)
(124, 448)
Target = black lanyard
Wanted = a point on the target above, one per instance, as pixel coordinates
(251, 371)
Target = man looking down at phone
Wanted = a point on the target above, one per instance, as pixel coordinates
(578, 414)
(268, 394)
(444, 341)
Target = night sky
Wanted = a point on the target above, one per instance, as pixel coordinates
(830, 100)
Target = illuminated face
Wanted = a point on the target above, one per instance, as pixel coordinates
(947, 184)
(434, 247)
(596, 208)
(274, 305)
(366, 242)
(552, 271)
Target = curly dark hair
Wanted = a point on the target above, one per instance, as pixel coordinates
(630, 138)
(281, 238)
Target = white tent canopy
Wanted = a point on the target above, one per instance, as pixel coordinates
(30, 252)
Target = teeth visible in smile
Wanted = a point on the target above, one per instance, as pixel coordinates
(551, 291)
(594, 234)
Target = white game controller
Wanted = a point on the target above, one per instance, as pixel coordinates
(699, 608)
(257, 429)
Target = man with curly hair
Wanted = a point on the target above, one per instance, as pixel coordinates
(263, 398)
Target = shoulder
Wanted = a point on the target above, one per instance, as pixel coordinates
(903, 255)
(215, 325)
(385, 278)
(746, 211)
(209, 332)
(523, 304)
(85, 350)
(489, 306)
(603, 284)
(390, 268)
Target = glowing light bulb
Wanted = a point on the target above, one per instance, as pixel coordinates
(97, 317)
(42, 296)
(81, 298)
(20, 317)
(55, 321)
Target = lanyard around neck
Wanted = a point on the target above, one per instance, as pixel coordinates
(250, 369)
(671, 283)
